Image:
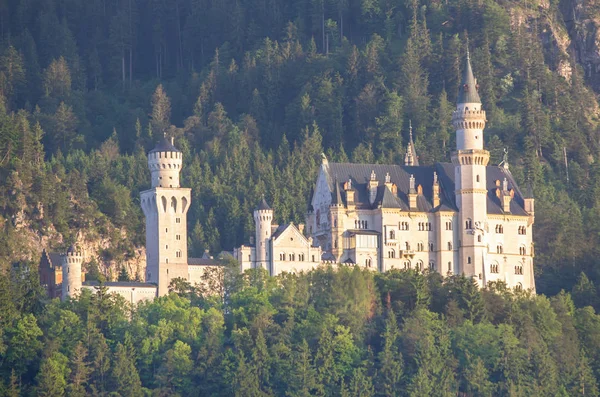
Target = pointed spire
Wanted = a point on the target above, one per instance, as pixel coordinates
(337, 197)
(467, 92)
(410, 158)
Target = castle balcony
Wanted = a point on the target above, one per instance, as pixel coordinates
(407, 253)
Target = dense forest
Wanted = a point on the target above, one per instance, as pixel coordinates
(346, 332)
(253, 92)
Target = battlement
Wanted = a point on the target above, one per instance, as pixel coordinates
(469, 119)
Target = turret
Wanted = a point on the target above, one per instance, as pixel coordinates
(165, 162)
(470, 161)
(72, 274)
(165, 206)
(412, 194)
(436, 190)
(263, 218)
(373, 183)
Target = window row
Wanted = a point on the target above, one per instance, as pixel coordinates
(495, 268)
(403, 226)
(361, 224)
(407, 246)
(291, 257)
(424, 226)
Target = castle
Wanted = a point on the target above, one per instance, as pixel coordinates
(463, 217)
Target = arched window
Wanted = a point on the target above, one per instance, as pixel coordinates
(469, 260)
(420, 247)
(449, 267)
(522, 250)
(419, 266)
(368, 262)
(519, 269)
(449, 246)
(407, 245)
(494, 268)
(432, 265)
(430, 246)
(301, 257)
(392, 235)
(407, 265)
(281, 256)
(499, 249)
(391, 254)
(468, 224)
(519, 287)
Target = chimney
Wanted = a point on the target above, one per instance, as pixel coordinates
(373, 187)
(507, 196)
(412, 194)
(388, 181)
(528, 200)
(436, 190)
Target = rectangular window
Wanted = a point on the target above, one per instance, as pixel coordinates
(177, 220)
(178, 237)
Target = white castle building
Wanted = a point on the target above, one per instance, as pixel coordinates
(464, 217)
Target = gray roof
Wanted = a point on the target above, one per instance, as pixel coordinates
(467, 92)
(389, 200)
(400, 176)
(56, 259)
(203, 262)
(165, 145)
(263, 205)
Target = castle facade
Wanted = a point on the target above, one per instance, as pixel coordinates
(464, 217)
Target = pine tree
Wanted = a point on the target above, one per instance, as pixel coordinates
(161, 111)
(125, 377)
(80, 372)
(390, 360)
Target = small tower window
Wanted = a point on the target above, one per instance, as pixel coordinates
(469, 260)
(477, 178)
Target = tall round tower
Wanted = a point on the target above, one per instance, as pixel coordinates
(470, 161)
(165, 206)
(263, 218)
(71, 272)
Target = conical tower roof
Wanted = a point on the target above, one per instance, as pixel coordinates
(467, 92)
(263, 205)
(165, 145)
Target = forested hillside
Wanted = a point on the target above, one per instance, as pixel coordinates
(254, 92)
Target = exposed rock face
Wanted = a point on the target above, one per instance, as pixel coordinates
(582, 19)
